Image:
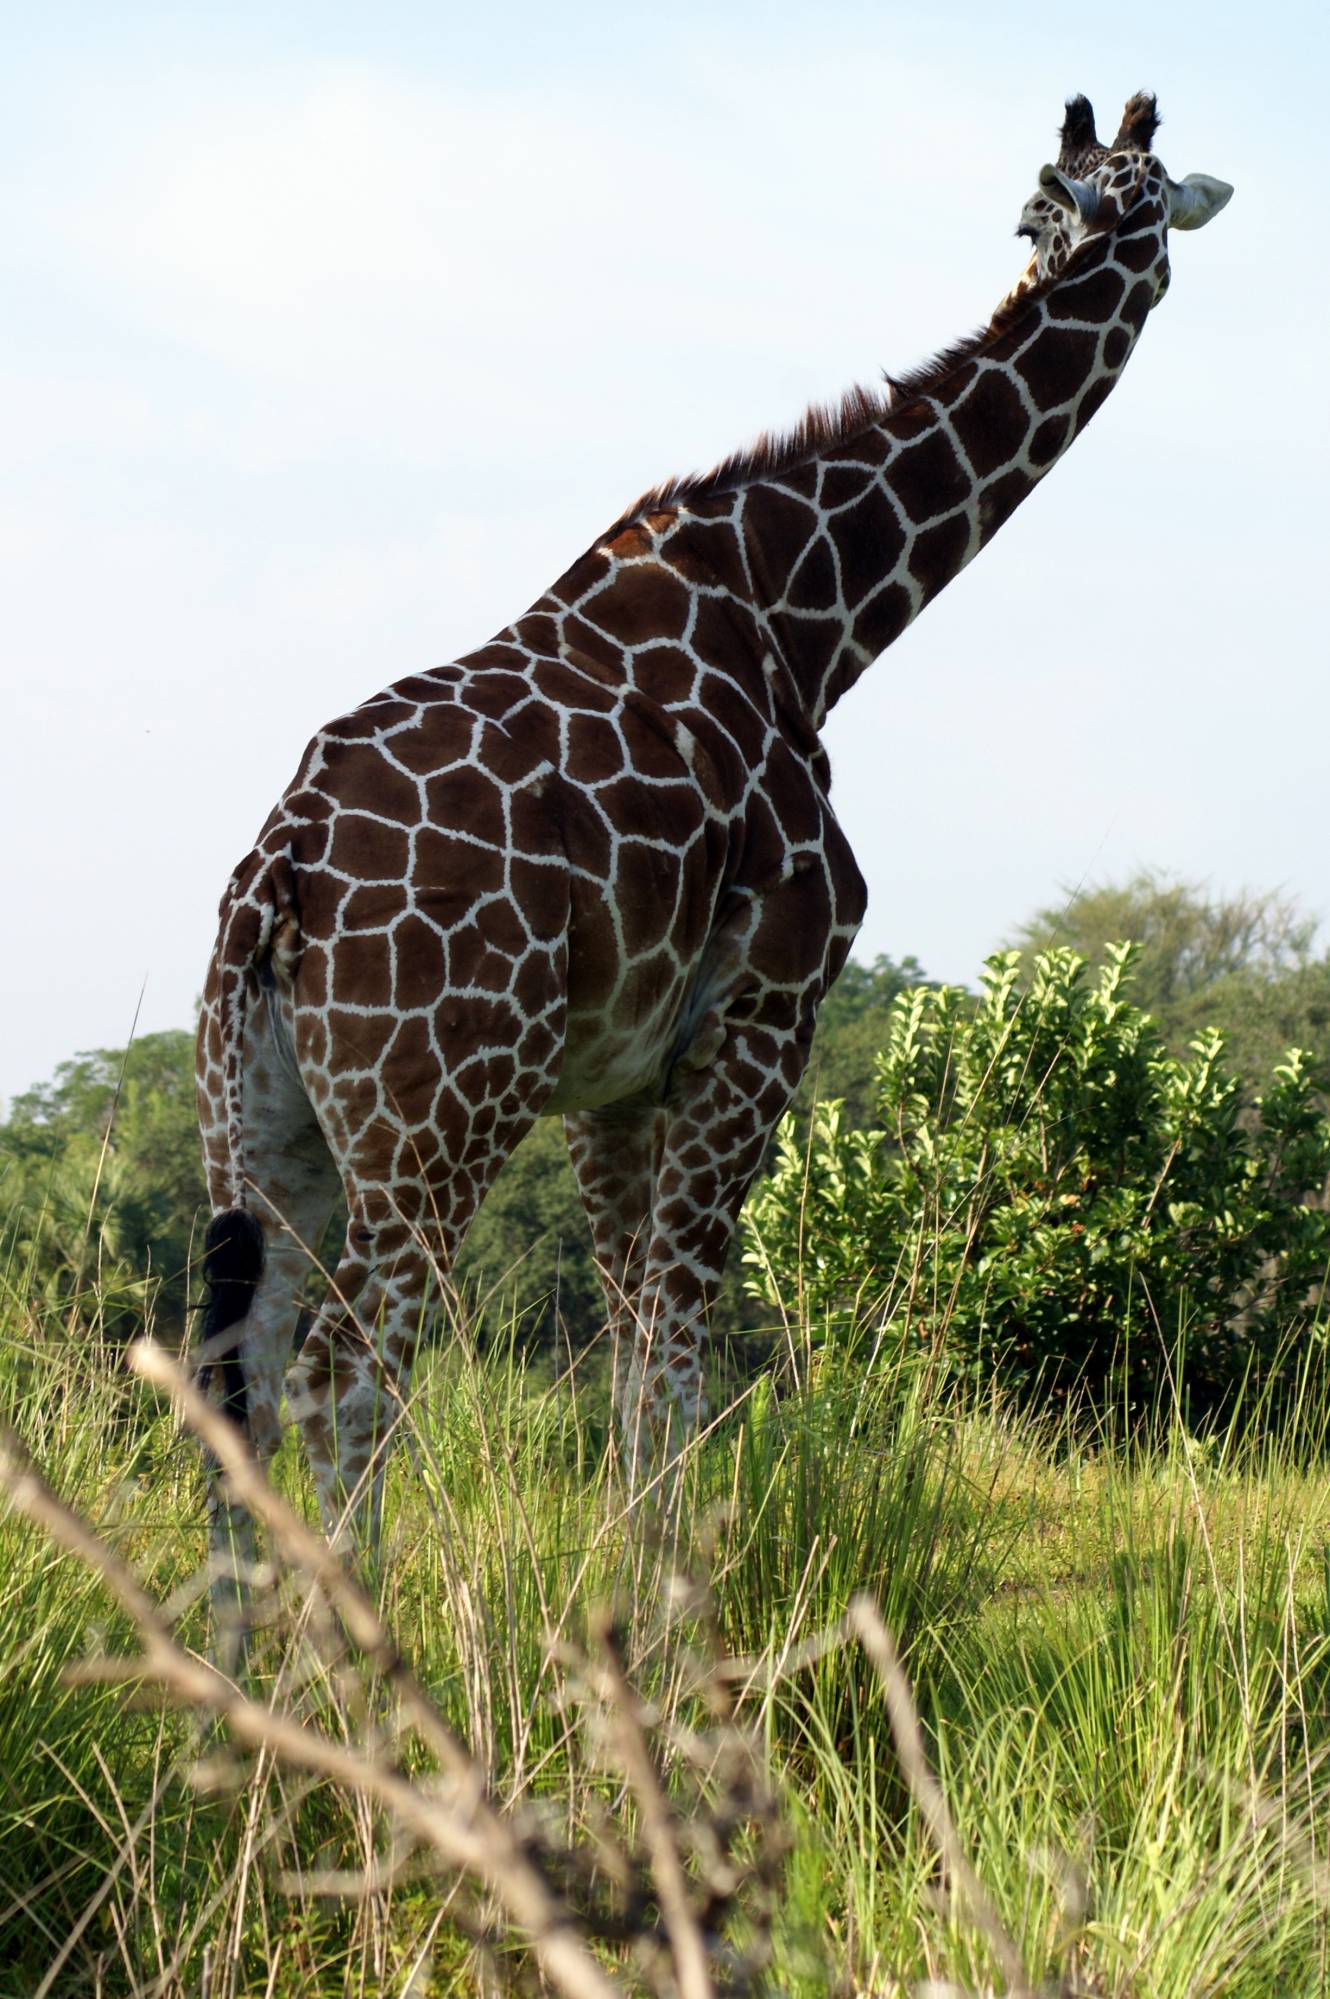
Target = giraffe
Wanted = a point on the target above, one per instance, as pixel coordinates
(592, 868)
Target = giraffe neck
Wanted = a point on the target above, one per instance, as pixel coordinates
(843, 547)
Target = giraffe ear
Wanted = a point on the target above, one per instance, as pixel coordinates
(1076, 196)
(1193, 202)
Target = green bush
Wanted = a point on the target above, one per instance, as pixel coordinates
(1050, 1195)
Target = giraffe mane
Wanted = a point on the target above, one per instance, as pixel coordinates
(822, 426)
(827, 426)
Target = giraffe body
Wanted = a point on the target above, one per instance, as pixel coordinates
(593, 867)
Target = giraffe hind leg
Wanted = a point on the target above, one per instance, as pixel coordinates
(418, 1139)
(347, 1386)
(615, 1155)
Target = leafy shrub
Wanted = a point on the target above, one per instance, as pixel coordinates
(1047, 1191)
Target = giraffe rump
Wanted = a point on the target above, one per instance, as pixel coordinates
(232, 1267)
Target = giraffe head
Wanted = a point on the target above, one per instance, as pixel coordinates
(1091, 187)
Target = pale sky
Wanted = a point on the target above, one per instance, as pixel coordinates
(331, 335)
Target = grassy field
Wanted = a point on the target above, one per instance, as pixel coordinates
(1120, 1661)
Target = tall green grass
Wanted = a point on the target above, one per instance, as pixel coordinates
(1120, 1655)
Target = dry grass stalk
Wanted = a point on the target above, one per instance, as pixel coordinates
(865, 1620)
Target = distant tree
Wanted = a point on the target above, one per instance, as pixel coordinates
(1242, 963)
(100, 1177)
(1188, 940)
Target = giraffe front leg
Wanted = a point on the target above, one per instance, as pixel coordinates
(719, 1126)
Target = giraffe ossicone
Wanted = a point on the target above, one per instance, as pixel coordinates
(593, 867)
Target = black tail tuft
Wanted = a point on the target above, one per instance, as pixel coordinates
(232, 1266)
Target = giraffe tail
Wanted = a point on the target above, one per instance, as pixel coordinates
(259, 941)
(232, 1266)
